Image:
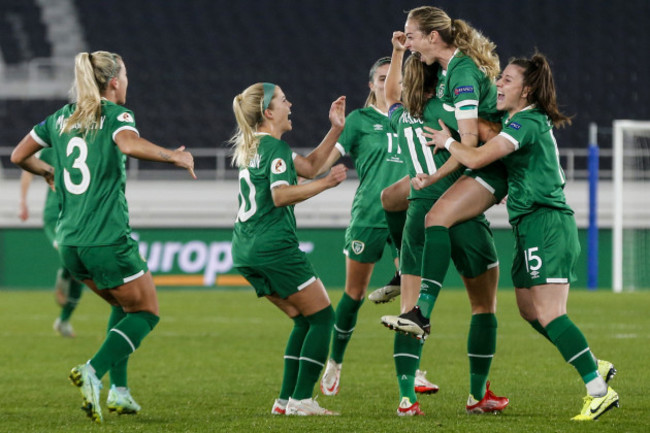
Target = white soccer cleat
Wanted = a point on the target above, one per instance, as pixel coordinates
(387, 293)
(306, 407)
(331, 380)
(422, 385)
(120, 401)
(279, 407)
(89, 385)
(64, 328)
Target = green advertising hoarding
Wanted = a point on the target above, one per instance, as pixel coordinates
(200, 257)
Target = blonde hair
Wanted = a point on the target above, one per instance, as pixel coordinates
(92, 73)
(418, 85)
(248, 108)
(460, 34)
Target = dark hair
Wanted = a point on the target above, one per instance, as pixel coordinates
(537, 76)
(372, 98)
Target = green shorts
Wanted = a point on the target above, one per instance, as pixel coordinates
(472, 244)
(108, 266)
(472, 247)
(546, 249)
(494, 177)
(366, 244)
(289, 273)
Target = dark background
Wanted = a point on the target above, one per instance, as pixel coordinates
(187, 59)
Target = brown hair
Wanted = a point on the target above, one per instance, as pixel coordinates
(418, 85)
(537, 76)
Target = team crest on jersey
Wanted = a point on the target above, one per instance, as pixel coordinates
(278, 166)
(463, 89)
(125, 117)
(358, 247)
(441, 91)
(378, 127)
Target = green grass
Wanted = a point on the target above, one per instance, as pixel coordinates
(214, 364)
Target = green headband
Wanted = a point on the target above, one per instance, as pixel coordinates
(269, 90)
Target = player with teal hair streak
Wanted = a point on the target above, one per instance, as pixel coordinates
(265, 246)
(91, 139)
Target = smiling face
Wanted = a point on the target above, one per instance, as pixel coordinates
(419, 43)
(511, 93)
(280, 110)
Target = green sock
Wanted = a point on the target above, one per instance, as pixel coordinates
(481, 346)
(122, 340)
(314, 352)
(346, 318)
(573, 346)
(292, 356)
(406, 354)
(435, 261)
(74, 295)
(539, 328)
(117, 372)
(396, 221)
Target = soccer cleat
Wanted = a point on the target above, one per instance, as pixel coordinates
(387, 293)
(279, 407)
(89, 386)
(411, 322)
(120, 401)
(489, 403)
(61, 289)
(405, 408)
(596, 406)
(422, 385)
(330, 382)
(64, 328)
(306, 407)
(606, 370)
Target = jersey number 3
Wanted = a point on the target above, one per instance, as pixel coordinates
(79, 164)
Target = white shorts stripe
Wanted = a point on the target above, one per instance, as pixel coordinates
(133, 277)
(432, 281)
(485, 184)
(128, 340)
(306, 283)
(557, 280)
(304, 358)
(493, 265)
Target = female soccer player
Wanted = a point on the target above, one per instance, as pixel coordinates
(67, 290)
(91, 139)
(546, 235)
(373, 147)
(475, 255)
(265, 245)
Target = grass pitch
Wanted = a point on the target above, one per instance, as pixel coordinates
(214, 364)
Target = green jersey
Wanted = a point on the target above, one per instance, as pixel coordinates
(262, 229)
(52, 207)
(90, 176)
(377, 157)
(463, 84)
(535, 177)
(421, 158)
